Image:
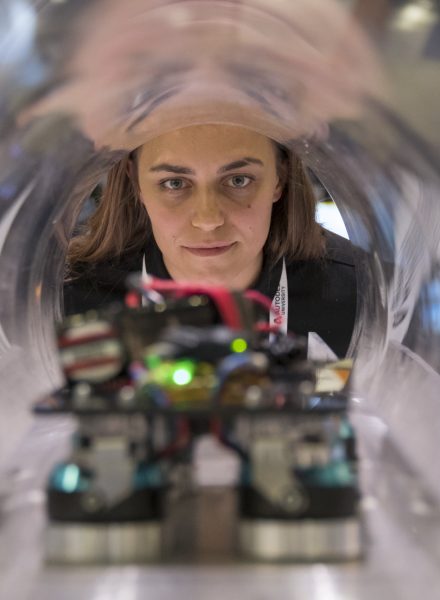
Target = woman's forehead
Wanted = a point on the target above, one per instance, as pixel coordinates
(208, 142)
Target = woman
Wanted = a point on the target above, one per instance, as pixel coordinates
(224, 205)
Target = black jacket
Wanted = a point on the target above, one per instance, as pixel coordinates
(322, 293)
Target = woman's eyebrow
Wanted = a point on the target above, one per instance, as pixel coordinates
(172, 169)
(237, 164)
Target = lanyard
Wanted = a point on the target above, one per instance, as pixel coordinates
(317, 349)
(280, 302)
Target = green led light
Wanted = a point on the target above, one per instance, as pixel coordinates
(239, 345)
(152, 361)
(70, 478)
(182, 376)
(170, 373)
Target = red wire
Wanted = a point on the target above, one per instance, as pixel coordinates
(264, 301)
(266, 328)
(66, 342)
(132, 300)
(221, 297)
(179, 443)
(260, 299)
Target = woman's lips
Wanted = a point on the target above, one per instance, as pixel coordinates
(209, 250)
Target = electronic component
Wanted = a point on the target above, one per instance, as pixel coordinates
(176, 363)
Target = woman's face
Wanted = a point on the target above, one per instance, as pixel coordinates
(209, 191)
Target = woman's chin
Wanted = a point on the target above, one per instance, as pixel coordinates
(212, 280)
(209, 278)
(230, 274)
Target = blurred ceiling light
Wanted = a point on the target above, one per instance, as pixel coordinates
(17, 30)
(413, 16)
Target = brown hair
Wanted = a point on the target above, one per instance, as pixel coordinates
(121, 224)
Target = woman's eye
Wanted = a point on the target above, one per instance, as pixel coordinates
(174, 184)
(239, 181)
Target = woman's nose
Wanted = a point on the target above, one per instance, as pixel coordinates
(207, 214)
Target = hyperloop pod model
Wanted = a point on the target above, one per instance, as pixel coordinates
(351, 87)
(177, 369)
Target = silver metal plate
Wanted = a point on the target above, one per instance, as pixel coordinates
(335, 539)
(114, 543)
